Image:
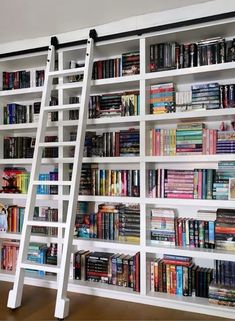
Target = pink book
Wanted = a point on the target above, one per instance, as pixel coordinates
(200, 184)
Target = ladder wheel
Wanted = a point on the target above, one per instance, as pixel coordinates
(60, 319)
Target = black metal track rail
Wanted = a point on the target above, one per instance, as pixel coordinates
(137, 32)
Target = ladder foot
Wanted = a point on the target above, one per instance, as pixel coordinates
(14, 300)
(62, 308)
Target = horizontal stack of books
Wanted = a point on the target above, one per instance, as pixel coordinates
(222, 294)
(206, 96)
(225, 142)
(162, 227)
(221, 290)
(225, 229)
(162, 98)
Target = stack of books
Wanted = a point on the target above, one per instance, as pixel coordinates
(163, 226)
(189, 138)
(162, 98)
(225, 229)
(226, 142)
(206, 96)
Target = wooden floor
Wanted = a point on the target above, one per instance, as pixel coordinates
(39, 303)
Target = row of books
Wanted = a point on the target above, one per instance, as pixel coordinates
(18, 114)
(115, 182)
(9, 254)
(18, 147)
(42, 254)
(173, 55)
(207, 229)
(23, 147)
(15, 180)
(178, 275)
(15, 217)
(128, 64)
(22, 79)
(110, 268)
(109, 105)
(111, 222)
(169, 229)
(116, 104)
(111, 144)
(37, 252)
(225, 229)
(48, 189)
(189, 184)
(191, 139)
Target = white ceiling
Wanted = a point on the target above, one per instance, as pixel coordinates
(24, 19)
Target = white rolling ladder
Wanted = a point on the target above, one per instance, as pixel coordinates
(62, 269)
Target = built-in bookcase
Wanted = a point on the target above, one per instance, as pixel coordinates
(141, 82)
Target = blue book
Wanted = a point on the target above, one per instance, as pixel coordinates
(211, 227)
(179, 280)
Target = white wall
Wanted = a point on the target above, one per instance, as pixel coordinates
(133, 23)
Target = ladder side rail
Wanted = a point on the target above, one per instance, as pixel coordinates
(15, 295)
(62, 303)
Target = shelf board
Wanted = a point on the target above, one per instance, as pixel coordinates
(189, 202)
(33, 238)
(190, 158)
(191, 304)
(100, 82)
(212, 254)
(209, 72)
(102, 160)
(22, 196)
(90, 244)
(196, 115)
(112, 199)
(19, 92)
(28, 127)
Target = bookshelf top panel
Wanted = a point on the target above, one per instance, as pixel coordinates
(189, 34)
(36, 60)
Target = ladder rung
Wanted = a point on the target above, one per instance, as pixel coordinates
(46, 224)
(40, 267)
(67, 72)
(57, 144)
(55, 183)
(62, 107)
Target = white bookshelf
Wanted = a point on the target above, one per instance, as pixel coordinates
(223, 73)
